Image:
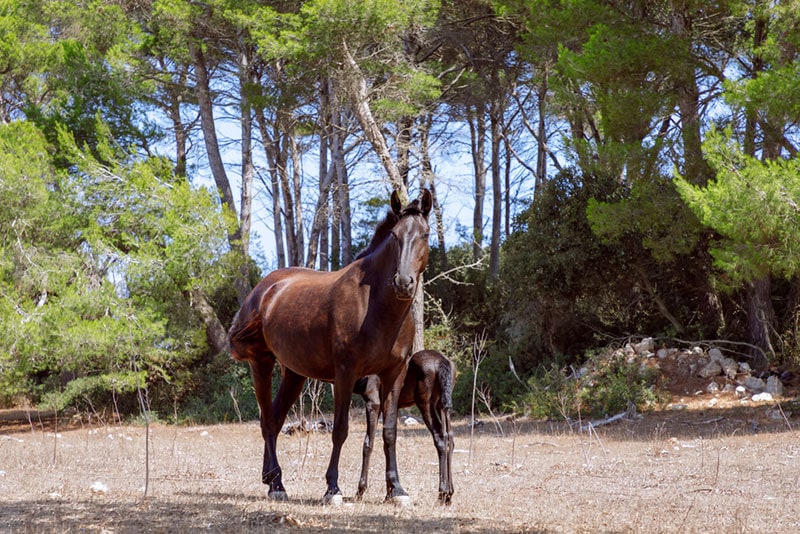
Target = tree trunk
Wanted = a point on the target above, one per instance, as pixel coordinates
(203, 92)
(541, 146)
(358, 88)
(760, 318)
(248, 171)
(216, 335)
(760, 314)
(477, 130)
(342, 196)
(299, 239)
(496, 118)
(428, 179)
(325, 144)
(271, 150)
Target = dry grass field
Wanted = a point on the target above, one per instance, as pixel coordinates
(730, 469)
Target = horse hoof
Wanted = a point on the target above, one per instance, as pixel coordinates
(402, 501)
(278, 496)
(332, 500)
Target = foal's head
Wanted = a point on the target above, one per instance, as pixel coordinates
(411, 234)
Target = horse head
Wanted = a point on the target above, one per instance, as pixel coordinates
(411, 235)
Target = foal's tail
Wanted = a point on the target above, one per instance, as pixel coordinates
(446, 375)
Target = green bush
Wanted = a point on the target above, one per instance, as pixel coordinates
(610, 385)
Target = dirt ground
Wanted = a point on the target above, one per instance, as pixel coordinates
(686, 468)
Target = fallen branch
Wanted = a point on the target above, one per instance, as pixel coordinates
(704, 422)
(630, 413)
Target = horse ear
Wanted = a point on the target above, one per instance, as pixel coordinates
(427, 202)
(397, 206)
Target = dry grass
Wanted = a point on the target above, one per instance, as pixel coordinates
(728, 470)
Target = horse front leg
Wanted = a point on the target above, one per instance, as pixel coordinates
(391, 384)
(342, 393)
(372, 400)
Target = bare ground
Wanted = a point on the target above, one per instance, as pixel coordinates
(733, 468)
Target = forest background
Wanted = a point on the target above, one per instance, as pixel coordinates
(631, 170)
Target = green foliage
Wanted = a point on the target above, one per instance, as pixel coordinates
(550, 394)
(223, 392)
(94, 268)
(616, 383)
(752, 204)
(573, 282)
(653, 214)
(612, 383)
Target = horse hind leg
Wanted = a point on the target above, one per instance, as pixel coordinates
(261, 369)
(289, 390)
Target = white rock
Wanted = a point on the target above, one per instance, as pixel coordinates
(662, 353)
(744, 367)
(99, 488)
(762, 397)
(740, 391)
(712, 387)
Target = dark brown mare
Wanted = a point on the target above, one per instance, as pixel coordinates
(337, 327)
(429, 386)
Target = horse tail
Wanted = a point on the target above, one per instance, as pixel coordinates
(245, 331)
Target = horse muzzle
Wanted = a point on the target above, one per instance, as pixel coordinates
(404, 286)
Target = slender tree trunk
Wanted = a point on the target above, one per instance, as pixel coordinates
(541, 147)
(477, 130)
(342, 196)
(325, 144)
(428, 179)
(358, 88)
(496, 118)
(299, 238)
(203, 92)
(404, 148)
(271, 149)
(181, 132)
(320, 216)
(248, 170)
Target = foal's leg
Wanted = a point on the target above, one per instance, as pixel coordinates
(429, 405)
(288, 392)
(391, 384)
(450, 445)
(372, 399)
(342, 393)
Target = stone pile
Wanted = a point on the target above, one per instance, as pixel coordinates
(724, 374)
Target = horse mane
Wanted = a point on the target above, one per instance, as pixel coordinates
(385, 227)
